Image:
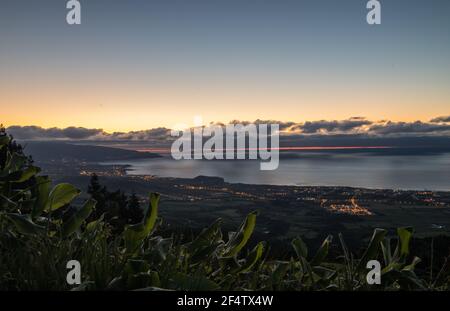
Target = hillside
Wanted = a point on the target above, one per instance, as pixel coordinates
(51, 151)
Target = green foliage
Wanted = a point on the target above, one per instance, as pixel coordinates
(78, 217)
(41, 193)
(300, 247)
(238, 239)
(61, 195)
(24, 224)
(251, 260)
(372, 250)
(405, 235)
(135, 234)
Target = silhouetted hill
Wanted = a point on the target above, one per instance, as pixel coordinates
(47, 151)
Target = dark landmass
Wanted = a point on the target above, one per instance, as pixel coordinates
(415, 145)
(287, 211)
(45, 152)
(382, 151)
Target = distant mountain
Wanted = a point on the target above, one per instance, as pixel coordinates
(44, 151)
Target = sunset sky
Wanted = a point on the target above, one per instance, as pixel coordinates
(135, 64)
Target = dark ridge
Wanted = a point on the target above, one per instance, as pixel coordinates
(48, 151)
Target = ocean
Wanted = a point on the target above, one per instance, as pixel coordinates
(424, 172)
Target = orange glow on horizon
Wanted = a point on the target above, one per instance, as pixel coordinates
(167, 150)
(117, 107)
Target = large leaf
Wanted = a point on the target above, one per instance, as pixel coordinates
(324, 273)
(61, 195)
(416, 260)
(134, 234)
(404, 235)
(372, 250)
(207, 237)
(159, 248)
(311, 277)
(25, 225)
(23, 175)
(206, 243)
(322, 252)
(300, 247)
(252, 258)
(42, 192)
(238, 240)
(204, 253)
(279, 271)
(75, 221)
(386, 249)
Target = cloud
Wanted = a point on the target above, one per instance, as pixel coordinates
(282, 125)
(312, 127)
(81, 133)
(441, 120)
(418, 127)
(36, 132)
(160, 133)
(359, 126)
(324, 126)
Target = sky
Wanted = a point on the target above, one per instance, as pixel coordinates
(135, 64)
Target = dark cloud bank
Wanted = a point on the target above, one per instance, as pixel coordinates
(356, 131)
(356, 125)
